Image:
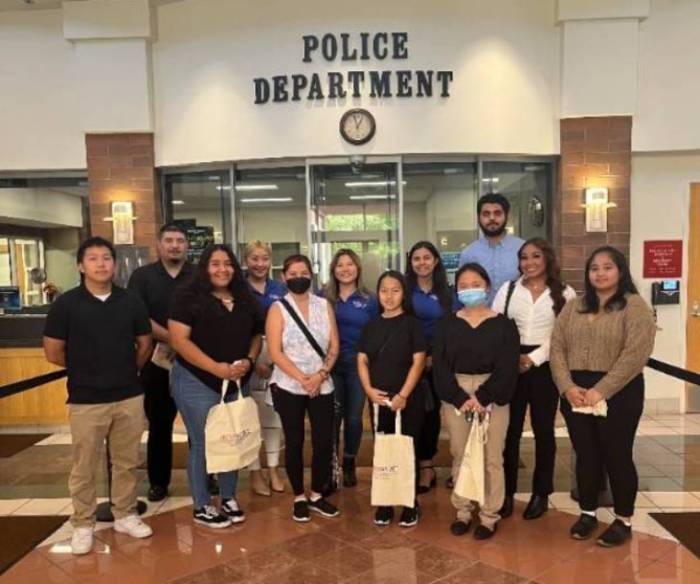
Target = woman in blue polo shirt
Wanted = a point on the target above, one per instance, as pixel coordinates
(354, 308)
(432, 297)
(258, 263)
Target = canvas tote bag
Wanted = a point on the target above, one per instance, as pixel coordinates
(394, 467)
(471, 481)
(232, 433)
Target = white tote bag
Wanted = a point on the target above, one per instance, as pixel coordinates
(470, 480)
(232, 433)
(394, 467)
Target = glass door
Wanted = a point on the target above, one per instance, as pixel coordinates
(355, 206)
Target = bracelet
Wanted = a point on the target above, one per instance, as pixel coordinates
(250, 360)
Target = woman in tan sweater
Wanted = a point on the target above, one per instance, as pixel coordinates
(600, 345)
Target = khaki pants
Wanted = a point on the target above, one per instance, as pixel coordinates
(494, 477)
(123, 424)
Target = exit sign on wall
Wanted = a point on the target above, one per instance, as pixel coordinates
(663, 259)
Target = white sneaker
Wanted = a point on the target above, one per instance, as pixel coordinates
(81, 542)
(133, 526)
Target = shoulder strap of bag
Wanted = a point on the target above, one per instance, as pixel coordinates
(224, 389)
(300, 323)
(511, 289)
(397, 425)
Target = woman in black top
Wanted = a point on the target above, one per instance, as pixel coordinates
(390, 361)
(215, 327)
(475, 366)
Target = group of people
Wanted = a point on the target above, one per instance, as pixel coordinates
(508, 335)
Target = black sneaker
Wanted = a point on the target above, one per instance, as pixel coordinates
(230, 507)
(323, 507)
(482, 532)
(615, 535)
(301, 512)
(409, 516)
(383, 515)
(459, 527)
(211, 517)
(584, 526)
(157, 493)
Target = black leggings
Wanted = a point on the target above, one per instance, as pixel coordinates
(606, 444)
(536, 389)
(427, 442)
(412, 420)
(292, 409)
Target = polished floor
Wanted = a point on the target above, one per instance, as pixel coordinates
(270, 547)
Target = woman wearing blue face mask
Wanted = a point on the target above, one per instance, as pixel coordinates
(475, 368)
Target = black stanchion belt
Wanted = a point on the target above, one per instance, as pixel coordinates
(674, 371)
(25, 384)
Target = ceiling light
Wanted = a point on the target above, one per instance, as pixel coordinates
(257, 188)
(178, 202)
(371, 183)
(371, 197)
(268, 200)
(491, 180)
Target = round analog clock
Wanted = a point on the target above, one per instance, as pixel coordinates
(357, 126)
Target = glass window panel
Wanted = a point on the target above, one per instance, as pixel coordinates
(528, 187)
(357, 209)
(270, 206)
(439, 205)
(196, 204)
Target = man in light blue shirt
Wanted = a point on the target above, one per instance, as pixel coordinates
(496, 250)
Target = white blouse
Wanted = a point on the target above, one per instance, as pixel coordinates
(297, 347)
(534, 318)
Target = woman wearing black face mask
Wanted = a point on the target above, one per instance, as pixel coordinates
(302, 341)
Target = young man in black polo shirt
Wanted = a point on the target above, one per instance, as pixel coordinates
(102, 335)
(155, 284)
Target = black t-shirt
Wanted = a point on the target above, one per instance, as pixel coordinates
(389, 344)
(492, 347)
(100, 343)
(223, 335)
(155, 286)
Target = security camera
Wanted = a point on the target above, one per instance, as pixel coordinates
(356, 163)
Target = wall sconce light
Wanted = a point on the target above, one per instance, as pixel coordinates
(597, 206)
(122, 222)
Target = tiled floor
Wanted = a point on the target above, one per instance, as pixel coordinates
(270, 547)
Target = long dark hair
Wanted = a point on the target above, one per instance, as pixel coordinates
(552, 271)
(440, 285)
(332, 289)
(591, 303)
(406, 304)
(197, 290)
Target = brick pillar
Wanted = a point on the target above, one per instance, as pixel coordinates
(121, 168)
(595, 152)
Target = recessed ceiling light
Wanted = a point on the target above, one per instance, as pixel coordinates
(257, 187)
(268, 200)
(178, 202)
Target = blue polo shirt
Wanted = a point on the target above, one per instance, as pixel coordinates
(428, 309)
(352, 315)
(274, 290)
(500, 261)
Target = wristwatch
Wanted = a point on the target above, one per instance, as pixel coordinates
(250, 360)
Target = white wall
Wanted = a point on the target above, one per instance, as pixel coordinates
(668, 117)
(39, 111)
(662, 181)
(503, 53)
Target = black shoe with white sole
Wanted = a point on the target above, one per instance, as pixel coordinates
(323, 507)
(409, 516)
(301, 512)
(584, 527)
(383, 515)
(230, 508)
(211, 517)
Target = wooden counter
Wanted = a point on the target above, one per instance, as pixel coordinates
(45, 404)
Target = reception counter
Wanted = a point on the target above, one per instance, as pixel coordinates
(22, 357)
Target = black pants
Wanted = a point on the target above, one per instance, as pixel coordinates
(427, 443)
(161, 411)
(536, 389)
(606, 444)
(292, 409)
(412, 420)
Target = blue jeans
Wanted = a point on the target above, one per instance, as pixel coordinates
(194, 400)
(350, 398)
